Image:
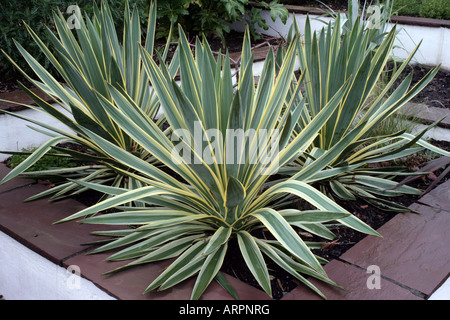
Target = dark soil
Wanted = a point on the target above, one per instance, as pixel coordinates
(437, 92)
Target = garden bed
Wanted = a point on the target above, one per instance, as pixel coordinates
(346, 238)
(436, 93)
(280, 282)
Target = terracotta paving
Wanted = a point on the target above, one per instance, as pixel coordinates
(19, 97)
(412, 258)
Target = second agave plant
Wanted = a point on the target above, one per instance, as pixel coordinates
(335, 56)
(218, 184)
(88, 60)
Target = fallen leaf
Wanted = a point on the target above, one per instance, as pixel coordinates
(329, 245)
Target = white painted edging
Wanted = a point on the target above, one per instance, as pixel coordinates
(26, 275)
(433, 50)
(443, 292)
(16, 134)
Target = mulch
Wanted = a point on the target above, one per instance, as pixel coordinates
(437, 92)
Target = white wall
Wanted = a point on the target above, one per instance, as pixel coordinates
(26, 275)
(433, 50)
(16, 135)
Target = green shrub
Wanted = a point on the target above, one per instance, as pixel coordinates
(38, 14)
(49, 161)
(211, 17)
(436, 9)
(406, 7)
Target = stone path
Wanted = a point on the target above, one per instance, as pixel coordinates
(412, 258)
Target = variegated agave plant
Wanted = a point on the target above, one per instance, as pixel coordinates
(88, 60)
(223, 190)
(335, 56)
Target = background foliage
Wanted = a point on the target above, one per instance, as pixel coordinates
(196, 16)
(436, 9)
(38, 14)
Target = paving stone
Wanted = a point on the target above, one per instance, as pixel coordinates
(355, 281)
(130, 284)
(439, 197)
(427, 114)
(414, 250)
(31, 223)
(14, 183)
(260, 54)
(19, 96)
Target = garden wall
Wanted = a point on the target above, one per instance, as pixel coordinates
(29, 276)
(16, 134)
(435, 35)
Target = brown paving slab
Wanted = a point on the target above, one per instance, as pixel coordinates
(414, 250)
(19, 96)
(14, 183)
(354, 280)
(418, 21)
(439, 197)
(260, 54)
(130, 284)
(31, 223)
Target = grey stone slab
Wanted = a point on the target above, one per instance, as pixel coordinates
(358, 285)
(439, 197)
(414, 250)
(427, 114)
